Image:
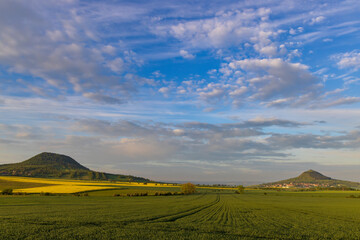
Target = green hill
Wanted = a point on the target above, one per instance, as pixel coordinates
(54, 161)
(52, 165)
(311, 175)
(311, 179)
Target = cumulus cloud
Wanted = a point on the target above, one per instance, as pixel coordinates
(275, 78)
(60, 52)
(317, 20)
(212, 94)
(272, 82)
(202, 141)
(109, 49)
(348, 60)
(225, 29)
(185, 54)
(116, 65)
(188, 143)
(165, 91)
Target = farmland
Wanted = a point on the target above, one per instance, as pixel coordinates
(209, 214)
(41, 185)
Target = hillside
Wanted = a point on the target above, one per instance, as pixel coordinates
(52, 165)
(311, 179)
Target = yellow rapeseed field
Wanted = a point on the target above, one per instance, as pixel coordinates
(66, 188)
(74, 186)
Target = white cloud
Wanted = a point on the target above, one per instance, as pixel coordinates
(212, 93)
(317, 20)
(117, 65)
(178, 132)
(239, 91)
(327, 40)
(109, 49)
(225, 29)
(348, 60)
(165, 91)
(61, 52)
(340, 101)
(269, 50)
(270, 78)
(185, 54)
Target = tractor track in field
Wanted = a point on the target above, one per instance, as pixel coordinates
(189, 212)
(177, 215)
(210, 214)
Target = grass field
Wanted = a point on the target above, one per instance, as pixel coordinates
(210, 214)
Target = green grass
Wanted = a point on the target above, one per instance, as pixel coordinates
(5, 184)
(132, 190)
(206, 215)
(123, 191)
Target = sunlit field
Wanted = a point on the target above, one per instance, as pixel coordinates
(41, 185)
(38, 185)
(209, 214)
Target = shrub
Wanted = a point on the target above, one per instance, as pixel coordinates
(353, 196)
(19, 193)
(240, 190)
(8, 191)
(46, 194)
(188, 188)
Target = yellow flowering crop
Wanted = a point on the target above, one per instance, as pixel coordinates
(74, 186)
(68, 188)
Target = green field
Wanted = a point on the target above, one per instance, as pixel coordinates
(5, 184)
(206, 215)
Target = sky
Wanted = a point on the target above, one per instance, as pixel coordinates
(203, 91)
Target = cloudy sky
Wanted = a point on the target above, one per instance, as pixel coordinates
(204, 91)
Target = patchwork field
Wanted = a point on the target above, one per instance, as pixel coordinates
(209, 214)
(42, 185)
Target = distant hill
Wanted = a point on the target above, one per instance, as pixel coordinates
(311, 179)
(311, 175)
(52, 165)
(52, 160)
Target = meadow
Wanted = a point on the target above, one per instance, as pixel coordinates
(208, 214)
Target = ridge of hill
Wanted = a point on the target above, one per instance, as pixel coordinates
(311, 175)
(311, 179)
(53, 160)
(53, 165)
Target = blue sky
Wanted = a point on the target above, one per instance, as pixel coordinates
(205, 91)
